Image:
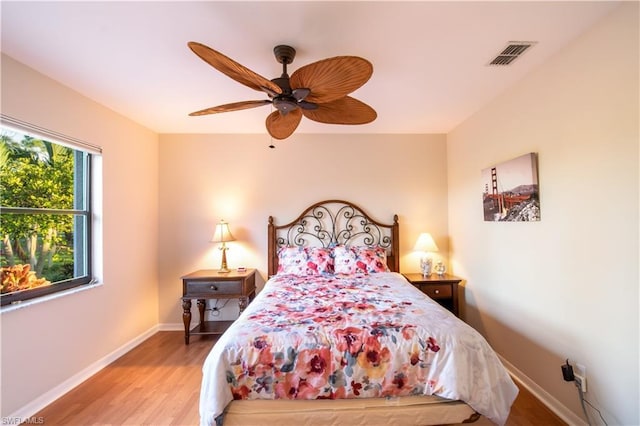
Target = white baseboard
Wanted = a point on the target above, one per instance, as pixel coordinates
(174, 326)
(545, 397)
(29, 410)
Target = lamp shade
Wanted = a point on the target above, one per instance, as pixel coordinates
(425, 243)
(222, 233)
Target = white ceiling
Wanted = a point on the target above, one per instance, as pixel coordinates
(430, 58)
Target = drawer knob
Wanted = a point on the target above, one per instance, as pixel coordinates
(214, 288)
(437, 292)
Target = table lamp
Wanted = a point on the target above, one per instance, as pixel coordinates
(425, 245)
(222, 235)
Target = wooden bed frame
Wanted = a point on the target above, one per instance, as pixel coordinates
(333, 222)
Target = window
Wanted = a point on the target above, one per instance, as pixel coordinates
(45, 214)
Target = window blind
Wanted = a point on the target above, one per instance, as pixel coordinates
(40, 132)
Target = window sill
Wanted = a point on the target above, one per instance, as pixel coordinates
(31, 302)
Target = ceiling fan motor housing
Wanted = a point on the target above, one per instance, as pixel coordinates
(284, 104)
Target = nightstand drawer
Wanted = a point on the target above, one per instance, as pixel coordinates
(195, 288)
(437, 291)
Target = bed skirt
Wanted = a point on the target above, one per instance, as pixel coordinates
(413, 410)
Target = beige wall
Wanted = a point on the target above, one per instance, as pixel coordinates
(237, 178)
(45, 344)
(567, 286)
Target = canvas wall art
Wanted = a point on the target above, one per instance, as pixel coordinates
(510, 190)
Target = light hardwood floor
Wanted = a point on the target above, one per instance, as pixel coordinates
(158, 383)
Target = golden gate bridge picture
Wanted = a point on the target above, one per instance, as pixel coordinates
(511, 192)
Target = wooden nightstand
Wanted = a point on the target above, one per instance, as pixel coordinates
(441, 288)
(209, 284)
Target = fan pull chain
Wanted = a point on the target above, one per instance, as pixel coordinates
(272, 146)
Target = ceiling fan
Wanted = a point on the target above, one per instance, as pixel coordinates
(318, 90)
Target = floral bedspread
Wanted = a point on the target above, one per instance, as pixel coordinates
(357, 336)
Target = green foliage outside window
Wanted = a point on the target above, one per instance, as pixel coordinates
(37, 174)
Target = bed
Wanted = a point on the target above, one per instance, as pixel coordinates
(337, 336)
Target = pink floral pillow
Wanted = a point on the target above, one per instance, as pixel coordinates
(292, 260)
(374, 258)
(346, 262)
(319, 261)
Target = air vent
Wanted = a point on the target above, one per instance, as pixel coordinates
(510, 53)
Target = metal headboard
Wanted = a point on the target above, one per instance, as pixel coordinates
(333, 222)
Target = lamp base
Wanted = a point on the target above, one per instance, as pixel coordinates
(223, 266)
(426, 265)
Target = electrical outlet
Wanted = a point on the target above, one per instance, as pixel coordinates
(581, 372)
(581, 381)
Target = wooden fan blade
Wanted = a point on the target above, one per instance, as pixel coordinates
(231, 68)
(332, 78)
(282, 126)
(236, 106)
(346, 110)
